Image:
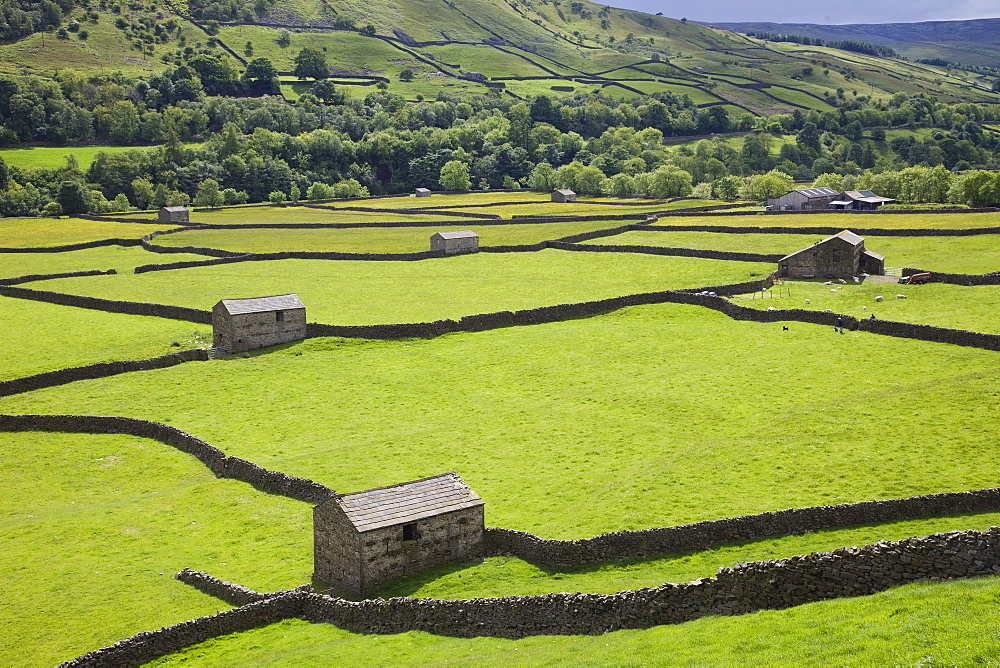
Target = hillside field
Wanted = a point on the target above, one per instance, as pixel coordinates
(646, 416)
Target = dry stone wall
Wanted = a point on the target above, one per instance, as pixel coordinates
(28, 278)
(215, 459)
(666, 250)
(65, 248)
(992, 278)
(110, 305)
(99, 370)
(864, 231)
(742, 589)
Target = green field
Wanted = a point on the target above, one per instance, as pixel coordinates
(643, 417)
(54, 157)
(366, 239)
(845, 221)
(35, 232)
(361, 292)
(964, 255)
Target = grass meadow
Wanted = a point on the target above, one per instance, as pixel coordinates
(358, 292)
(642, 417)
(54, 157)
(845, 221)
(978, 254)
(39, 232)
(369, 240)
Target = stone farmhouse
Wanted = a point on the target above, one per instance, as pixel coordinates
(563, 196)
(841, 256)
(173, 214)
(422, 192)
(803, 199)
(452, 243)
(860, 200)
(364, 539)
(239, 325)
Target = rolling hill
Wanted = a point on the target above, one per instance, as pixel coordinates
(523, 47)
(975, 42)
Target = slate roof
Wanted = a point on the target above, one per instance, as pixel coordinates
(873, 254)
(846, 235)
(460, 234)
(262, 304)
(812, 193)
(407, 502)
(565, 191)
(423, 190)
(175, 208)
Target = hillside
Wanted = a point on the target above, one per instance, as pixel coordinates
(975, 42)
(525, 47)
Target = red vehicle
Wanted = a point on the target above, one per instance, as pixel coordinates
(916, 279)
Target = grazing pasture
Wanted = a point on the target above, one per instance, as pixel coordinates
(355, 292)
(844, 221)
(642, 417)
(961, 255)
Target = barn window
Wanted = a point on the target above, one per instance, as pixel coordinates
(409, 532)
(279, 316)
(836, 256)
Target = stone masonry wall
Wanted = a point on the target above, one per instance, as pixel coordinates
(215, 459)
(744, 588)
(99, 370)
(28, 278)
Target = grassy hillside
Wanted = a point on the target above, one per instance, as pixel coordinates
(976, 42)
(526, 46)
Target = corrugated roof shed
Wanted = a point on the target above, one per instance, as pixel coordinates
(407, 502)
(460, 234)
(817, 192)
(262, 304)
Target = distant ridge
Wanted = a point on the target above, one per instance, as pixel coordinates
(975, 42)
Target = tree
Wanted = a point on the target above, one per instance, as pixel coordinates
(763, 186)
(276, 197)
(142, 192)
(406, 75)
(4, 174)
(808, 137)
(665, 181)
(260, 76)
(208, 194)
(325, 90)
(728, 187)
(311, 64)
(455, 176)
(589, 180)
(284, 38)
(73, 197)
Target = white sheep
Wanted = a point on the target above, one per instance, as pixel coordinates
(879, 298)
(771, 308)
(864, 308)
(900, 296)
(833, 290)
(857, 280)
(808, 302)
(842, 280)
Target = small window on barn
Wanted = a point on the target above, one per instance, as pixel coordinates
(279, 316)
(836, 256)
(409, 532)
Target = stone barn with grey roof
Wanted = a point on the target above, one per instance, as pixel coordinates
(841, 256)
(173, 214)
(453, 243)
(563, 196)
(239, 325)
(364, 539)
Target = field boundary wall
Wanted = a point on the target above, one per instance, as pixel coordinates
(874, 232)
(65, 248)
(98, 370)
(667, 250)
(110, 305)
(744, 588)
(28, 278)
(235, 468)
(991, 278)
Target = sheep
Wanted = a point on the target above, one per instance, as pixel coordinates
(771, 308)
(879, 298)
(856, 279)
(842, 280)
(864, 308)
(808, 301)
(833, 290)
(900, 296)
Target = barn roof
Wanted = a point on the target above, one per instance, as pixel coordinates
(867, 196)
(873, 254)
(262, 304)
(460, 234)
(407, 502)
(846, 235)
(565, 191)
(811, 193)
(175, 208)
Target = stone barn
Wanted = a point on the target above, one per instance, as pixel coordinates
(239, 325)
(423, 192)
(173, 214)
(364, 539)
(804, 199)
(563, 196)
(841, 256)
(452, 243)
